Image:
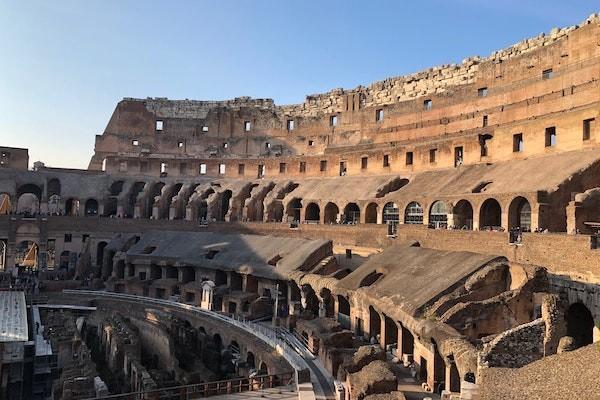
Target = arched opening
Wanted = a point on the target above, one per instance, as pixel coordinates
(343, 311)
(72, 207)
(28, 204)
(116, 188)
(454, 384)
(327, 302)
(263, 370)
(153, 198)
(391, 213)
(408, 341)
(371, 213)
(220, 278)
(110, 206)
(136, 189)
(250, 361)
(5, 205)
(331, 213)
(580, 324)
(413, 214)
(312, 213)
(275, 212)
(293, 209)
(224, 204)
(91, 208)
(168, 199)
(370, 279)
(519, 214)
(391, 332)
(490, 215)
(374, 325)
(54, 205)
(53, 187)
(351, 214)
(463, 215)
(438, 215)
(63, 262)
(26, 254)
(100, 253)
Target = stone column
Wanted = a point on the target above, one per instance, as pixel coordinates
(573, 210)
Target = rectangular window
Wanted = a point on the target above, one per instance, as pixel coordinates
(180, 144)
(458, 156)
(202, 169)
(290, 124)
(159, 125)
(482, 92)
(135, 142)
(183, 169)
(379, 115)
(485, 121)
(333, 120)
(302, 167)
(222, 169)
(261, 171)
(550, 136)
(518, 143)
(386, 160)
(323, 165)
(68, 238)
(205, 128)
(311, 143)
(164, 167)
(342, 168)
(427, 104)
(84, 237)
(364, 162)
(225, 145)
(587, 128)
(241, 169)
(123, 166)
(247, 126)
(409, 158)
(547, 73)
(267, 146)
(432, 155)
(282, 168)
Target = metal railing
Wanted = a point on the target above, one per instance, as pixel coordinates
(267, 335)
(207, 389)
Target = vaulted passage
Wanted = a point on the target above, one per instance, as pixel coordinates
(331, 213)
(519, 214)
(490, 215)
(580, 324)
(463, 215)
(312, 213)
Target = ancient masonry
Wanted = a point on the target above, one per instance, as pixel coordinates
(437, 233)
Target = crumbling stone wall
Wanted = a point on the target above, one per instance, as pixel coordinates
(516, 347)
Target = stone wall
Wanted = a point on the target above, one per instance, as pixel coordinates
(516, 347)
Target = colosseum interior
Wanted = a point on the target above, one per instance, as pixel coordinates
(435, 235)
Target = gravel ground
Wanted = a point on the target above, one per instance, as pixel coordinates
(568, 376)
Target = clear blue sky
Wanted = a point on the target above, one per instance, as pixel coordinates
(65, 64)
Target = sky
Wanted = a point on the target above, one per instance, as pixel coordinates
(64, 65)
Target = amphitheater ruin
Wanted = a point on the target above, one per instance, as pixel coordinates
(435, 235)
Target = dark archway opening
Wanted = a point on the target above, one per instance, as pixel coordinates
(371, 213)
(490, 215)
(580, 324)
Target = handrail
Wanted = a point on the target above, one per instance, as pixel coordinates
(266, 335)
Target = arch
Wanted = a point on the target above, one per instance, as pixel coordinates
(218, 341)
(168, 199)
(275, 212)
(135, 191)
(26, 254)
(91, 207)
(370, 279)
(351, 214)
(519, 214)
(53, 187)
(312, 212)
(580, 324)
(413, 214)
(343, 311)
(264, 369)
(293, 209)
(54, 204)
(438, 215)
(110, 206)
(224, 204)
(250, 361)
(5, 204)
(391, 332)
(29, 188)
(331, 213)
(234, 347)
(490, 215)
(28, 204)
(100, 253)
(116, 188)
(72, 207)
(371, 213)
(155, 192)
(374, 324)
(454, 384)
(463, 215)
(391, 213)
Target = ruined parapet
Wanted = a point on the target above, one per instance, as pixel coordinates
(516, 347)
(375, 378)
